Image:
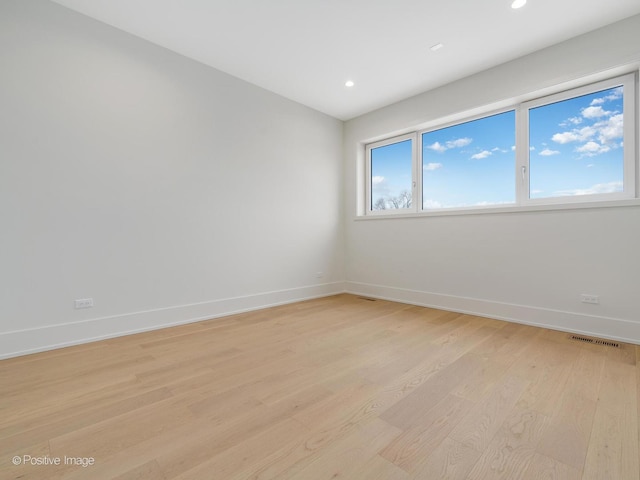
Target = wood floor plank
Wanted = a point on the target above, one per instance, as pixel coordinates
(451, 460)
(76, 418)
(347, 407)
(546, 468)
(512, 449)
(586, 374)
(378, 468)
(335, 387)
(613, 447)
(547, 369)
(478, 386)
(67, 387)
(241, 456)
(341, 459)
(287, 457)
(418, 441)
(482, 422)
(567, 438)
(431, 392)
(520, 338)
(199, 450)
(10, 470)
(122, 431)
(149, 470)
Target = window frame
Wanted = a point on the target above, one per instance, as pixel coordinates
(523, 155)
(472, 118)
(631, 110)
(368, 179)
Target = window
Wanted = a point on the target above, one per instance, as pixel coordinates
(470, 164)
(391, 182)
(574, 146)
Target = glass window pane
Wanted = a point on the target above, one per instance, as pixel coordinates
(576, 146)
(391, 178)
(470, 164)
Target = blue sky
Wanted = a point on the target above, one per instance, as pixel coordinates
(390, 170)
(578, 146)
(470, 164)
(575, 149)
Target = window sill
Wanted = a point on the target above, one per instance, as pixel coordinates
(634, 202)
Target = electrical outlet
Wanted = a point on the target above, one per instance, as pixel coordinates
(586, 298)
(84, 303)
(319, 274)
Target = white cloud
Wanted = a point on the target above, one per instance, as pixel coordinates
(565, 137)
(571, 121)
(575, 135)
(607, 130)
(616, 94)
(610, 129)
(380, 187)
(429, 203)
(591, 165)
(481, 155)
(590, 149)
(547, 152)
(532, 148)
(432, 166)
(534, 192)
(437, 147)
(610, 187)
(599, 135)
(457, 143)
(595, 112)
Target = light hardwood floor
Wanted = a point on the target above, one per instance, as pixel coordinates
(339, 387)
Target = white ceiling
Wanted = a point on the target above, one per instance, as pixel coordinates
(305, 50)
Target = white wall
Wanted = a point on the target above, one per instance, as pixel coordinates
(164, 189)
(169, 191)
(528, 267)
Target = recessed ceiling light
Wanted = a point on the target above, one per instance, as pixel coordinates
(349, 83)
(436, 47)
(518, 3)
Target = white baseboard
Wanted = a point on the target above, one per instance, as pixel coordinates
(605, 327)
(23, 342)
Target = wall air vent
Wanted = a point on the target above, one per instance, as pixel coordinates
(594, 341)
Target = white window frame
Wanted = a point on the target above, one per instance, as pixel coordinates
(523, 154)
(382, 143)
(631, 111)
